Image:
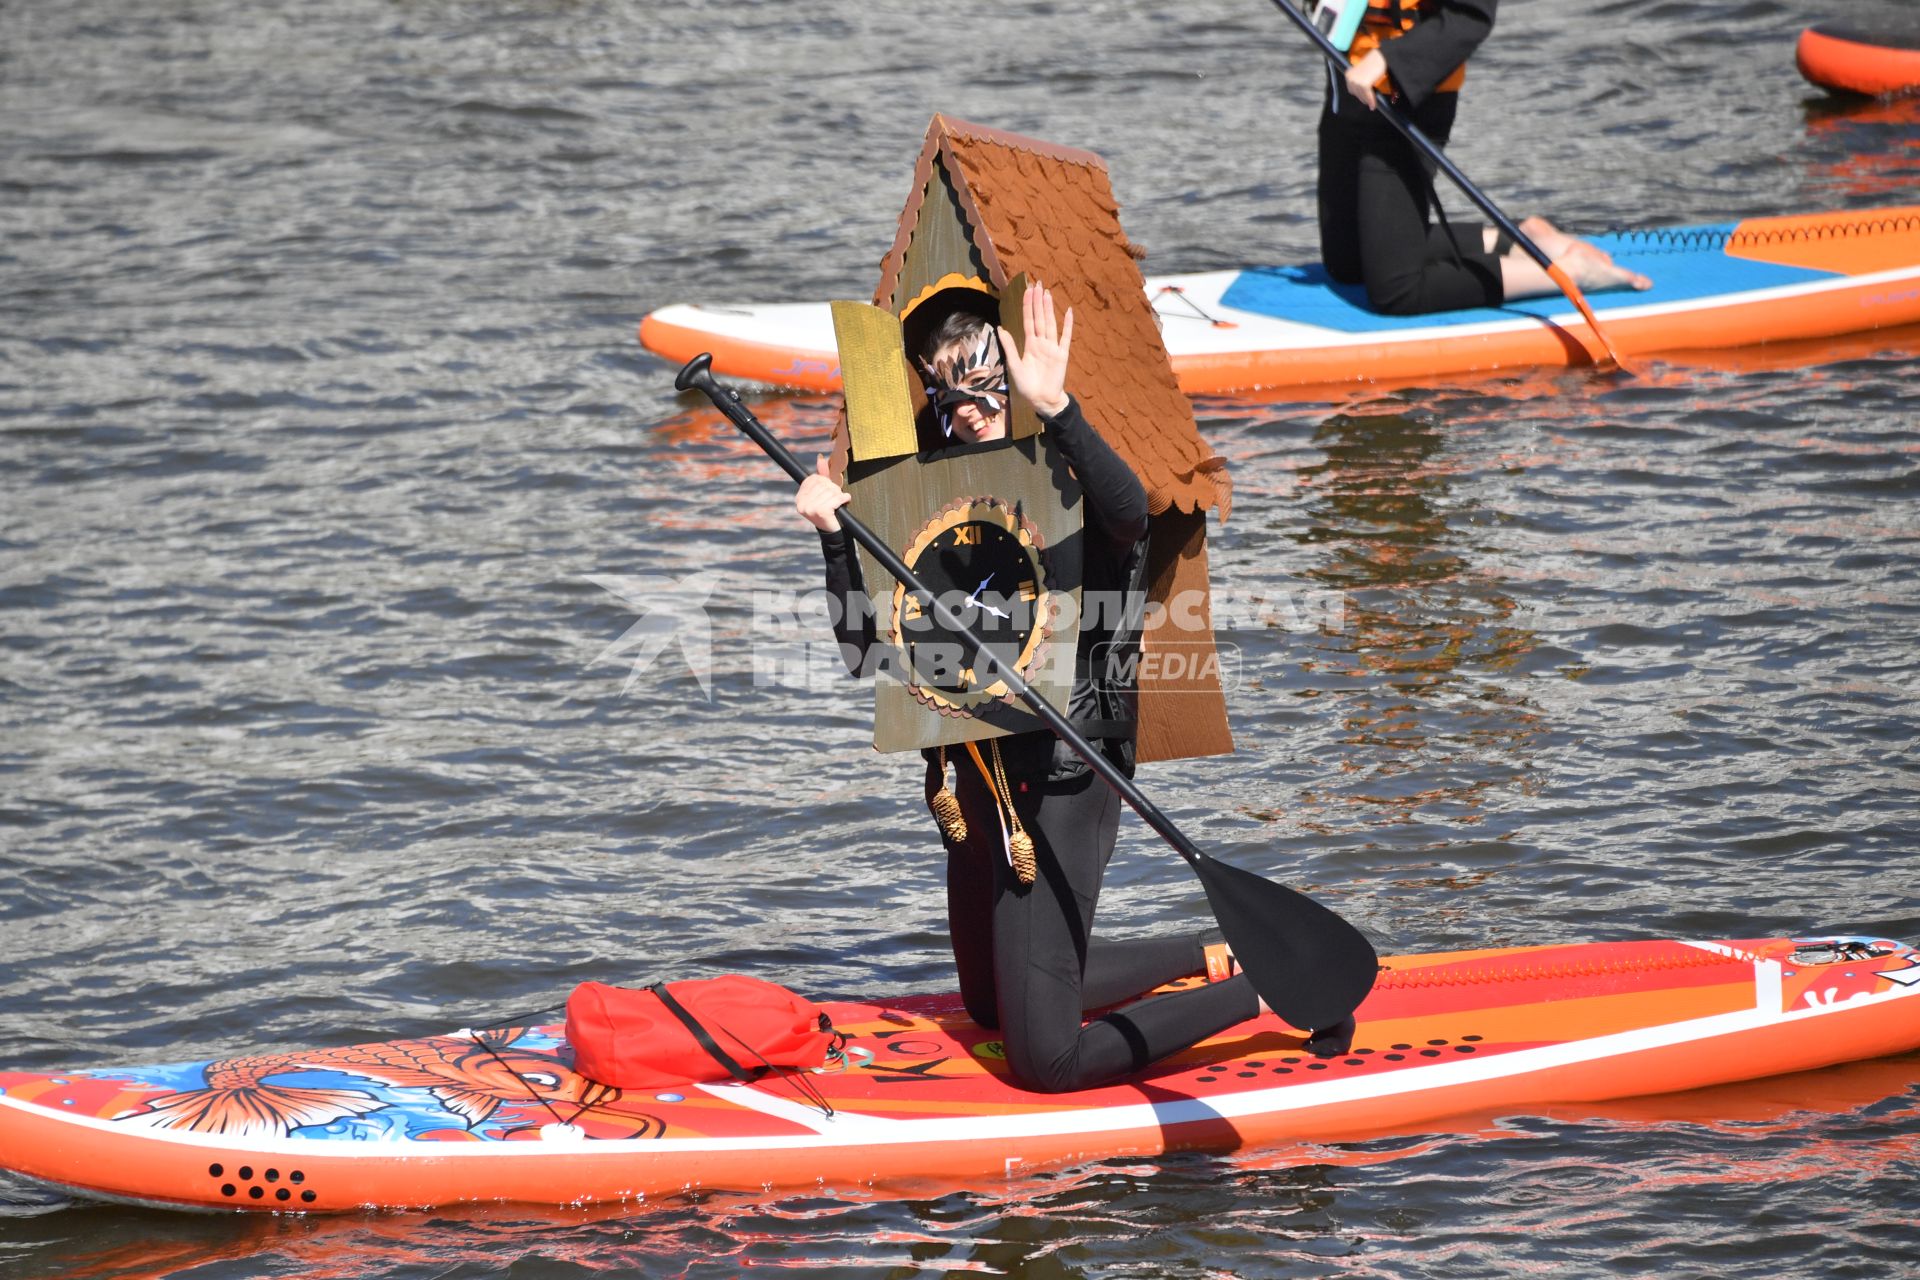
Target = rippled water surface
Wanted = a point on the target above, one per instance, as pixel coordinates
(320, 408)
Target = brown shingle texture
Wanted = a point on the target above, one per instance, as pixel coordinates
(1049, 211)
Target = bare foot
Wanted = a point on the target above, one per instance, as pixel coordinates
(1558, 245)
(1553, 242)
(1594, 269)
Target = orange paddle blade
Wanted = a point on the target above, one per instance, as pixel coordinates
(1579, 300)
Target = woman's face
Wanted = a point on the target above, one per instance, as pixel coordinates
(971, 386)
(973, 424)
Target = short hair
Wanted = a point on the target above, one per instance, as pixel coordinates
(960, 325)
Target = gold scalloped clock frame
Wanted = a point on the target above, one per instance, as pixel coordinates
(1047, 607)
(901, 499)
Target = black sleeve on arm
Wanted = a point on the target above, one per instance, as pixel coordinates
(853, 620)
(1116, 500)
(1426, 55)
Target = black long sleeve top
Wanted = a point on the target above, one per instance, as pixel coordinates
(1444, 37)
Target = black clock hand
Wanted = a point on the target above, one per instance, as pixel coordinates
(1311, 967)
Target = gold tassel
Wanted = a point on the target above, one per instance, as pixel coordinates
(1019, 843)
(1023, 864)
(946, 807)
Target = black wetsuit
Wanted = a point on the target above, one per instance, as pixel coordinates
(1028, 962)
(1376, 188)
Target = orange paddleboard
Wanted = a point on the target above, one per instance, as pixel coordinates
(1715, 287)
(922, 1093)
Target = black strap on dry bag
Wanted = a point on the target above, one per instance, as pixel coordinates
(700, 1034)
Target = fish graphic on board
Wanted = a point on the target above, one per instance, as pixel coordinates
(237, 1100)
(475, 1080)
(472, 1075)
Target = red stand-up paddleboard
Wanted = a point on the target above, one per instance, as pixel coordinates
(922, 1093)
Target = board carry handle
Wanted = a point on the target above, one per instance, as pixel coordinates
(1411, 132)
(1310, 965)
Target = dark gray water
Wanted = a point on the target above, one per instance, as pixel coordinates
(320, 405)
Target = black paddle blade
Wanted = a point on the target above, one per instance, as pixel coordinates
(1309, 965)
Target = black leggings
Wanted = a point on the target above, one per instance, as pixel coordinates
(1029, 965)
(1375, 211)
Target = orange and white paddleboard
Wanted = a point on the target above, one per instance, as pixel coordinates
(1715, 287)
(922, 1093)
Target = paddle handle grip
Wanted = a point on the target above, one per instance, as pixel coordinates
(697, 374)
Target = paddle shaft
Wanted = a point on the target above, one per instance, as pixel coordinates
(698, 375)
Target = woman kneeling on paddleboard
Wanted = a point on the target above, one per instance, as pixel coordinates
(1376, 193)
(1029, 965)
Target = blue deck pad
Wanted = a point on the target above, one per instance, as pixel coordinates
(1680, 273)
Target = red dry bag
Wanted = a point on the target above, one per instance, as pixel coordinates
(685, 1032)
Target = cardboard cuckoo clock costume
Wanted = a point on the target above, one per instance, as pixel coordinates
(998, 526)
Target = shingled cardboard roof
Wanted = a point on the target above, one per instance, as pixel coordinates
(1049, 211)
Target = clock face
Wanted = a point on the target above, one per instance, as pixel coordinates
(986, 563)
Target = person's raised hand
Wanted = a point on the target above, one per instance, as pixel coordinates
(1040, 372)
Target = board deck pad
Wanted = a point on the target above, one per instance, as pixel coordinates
(1683, 268)
(499, 1113)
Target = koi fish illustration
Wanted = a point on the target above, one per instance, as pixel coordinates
(236, 1100)
(474, 1078)
(472, 1075)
